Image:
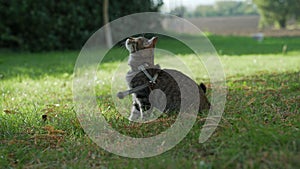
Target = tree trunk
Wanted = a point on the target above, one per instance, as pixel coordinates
(107, 29)
(282, 23)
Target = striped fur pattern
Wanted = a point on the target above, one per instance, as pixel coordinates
(142, 53)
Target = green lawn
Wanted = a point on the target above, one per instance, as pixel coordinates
(260, 127)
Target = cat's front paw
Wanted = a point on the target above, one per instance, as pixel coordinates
(134, 115)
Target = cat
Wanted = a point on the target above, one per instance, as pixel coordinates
(167, 95)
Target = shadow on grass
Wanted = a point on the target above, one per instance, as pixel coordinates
(264, 96)
(261, 120)
(36, 65)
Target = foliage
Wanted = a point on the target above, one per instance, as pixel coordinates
(179, 11)
(59, 25)
(225, 8)
(259, 128)
(277, 11)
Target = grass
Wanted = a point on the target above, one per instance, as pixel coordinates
(259, 128)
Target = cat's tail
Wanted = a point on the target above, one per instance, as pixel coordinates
(203, 87)
(204, 102)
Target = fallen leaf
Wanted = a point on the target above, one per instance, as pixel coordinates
(51, 130)
(9, 111)
(251, 101)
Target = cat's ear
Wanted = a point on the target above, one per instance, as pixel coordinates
(131, 39)
(153, 41)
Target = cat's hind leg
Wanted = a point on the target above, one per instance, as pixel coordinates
(136, 110)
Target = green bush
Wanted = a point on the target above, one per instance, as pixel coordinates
(41, 25)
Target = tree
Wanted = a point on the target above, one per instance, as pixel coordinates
(179, 11)
(60, 25)
(225, 8)
(277, 11)
(107, 29)
(205, 11)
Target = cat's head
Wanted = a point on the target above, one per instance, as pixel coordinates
(140, 43)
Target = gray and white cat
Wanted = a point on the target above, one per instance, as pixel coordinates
(167, 96)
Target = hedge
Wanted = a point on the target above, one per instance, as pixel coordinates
(43, 25)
